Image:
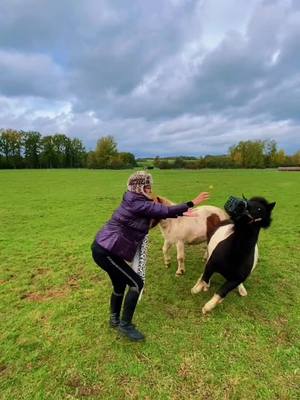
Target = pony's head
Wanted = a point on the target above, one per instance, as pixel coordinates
(256, 211)
(260, 211)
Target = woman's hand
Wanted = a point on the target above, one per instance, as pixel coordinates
(190, 213)
(200, 198)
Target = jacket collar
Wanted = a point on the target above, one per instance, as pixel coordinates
(131, 196)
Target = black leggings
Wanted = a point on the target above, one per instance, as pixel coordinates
(120, 273)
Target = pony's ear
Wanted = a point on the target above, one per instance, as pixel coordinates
(271, 205)
(158, 199)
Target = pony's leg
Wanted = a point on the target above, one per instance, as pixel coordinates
(166, 252)
(200, 286)
(180, 258)
(242, 290)
(205, 254)
(255, 257)
(202, 283)
(212, 303)
(220, 295)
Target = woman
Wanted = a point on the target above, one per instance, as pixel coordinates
(117, 242)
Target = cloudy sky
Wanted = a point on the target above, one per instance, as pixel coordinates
(164, 77)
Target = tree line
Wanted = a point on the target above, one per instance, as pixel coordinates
(20, 149)
(245, 154)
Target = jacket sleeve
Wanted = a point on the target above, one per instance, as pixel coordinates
(151, 209)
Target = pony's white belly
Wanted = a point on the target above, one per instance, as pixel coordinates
(221, 234)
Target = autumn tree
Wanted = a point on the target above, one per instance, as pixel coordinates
(106, 155)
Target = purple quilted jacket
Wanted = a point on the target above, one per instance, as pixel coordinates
(129, 224)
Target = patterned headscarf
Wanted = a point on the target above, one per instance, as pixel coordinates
(137, 181)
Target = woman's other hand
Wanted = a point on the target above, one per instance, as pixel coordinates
(200, 198)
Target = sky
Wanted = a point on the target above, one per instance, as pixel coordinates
(163, 77)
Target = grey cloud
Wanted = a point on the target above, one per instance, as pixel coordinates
(29, 75)
(146, 68)
(126, 53)
(240, 71)
(104, 45)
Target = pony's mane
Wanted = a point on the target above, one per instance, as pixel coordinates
(162, 200)
(259, 199)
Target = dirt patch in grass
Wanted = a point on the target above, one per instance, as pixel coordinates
(39, 272)
(283, 333)
(82, 389)
(130, 386)
(3, 368)
(185, 370)
(48, 295)
(73, 281)
(97, 279)
(71, 284)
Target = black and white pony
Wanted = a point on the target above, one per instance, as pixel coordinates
(232, 249)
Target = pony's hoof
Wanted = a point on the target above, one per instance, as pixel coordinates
(195, 290)
(180, 272)
(242, 291)
(200, 287)
(205, 310)
(212, 303)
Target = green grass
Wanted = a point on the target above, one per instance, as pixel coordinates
(55, 342)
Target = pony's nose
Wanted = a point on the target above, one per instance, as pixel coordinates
(248, 214)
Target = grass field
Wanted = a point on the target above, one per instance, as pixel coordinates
(55, 341)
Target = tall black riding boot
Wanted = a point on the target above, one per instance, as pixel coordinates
(115, 308)
(126, 327)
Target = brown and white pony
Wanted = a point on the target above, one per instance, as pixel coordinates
(189, 230)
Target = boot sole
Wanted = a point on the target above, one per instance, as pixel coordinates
(130, 338)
